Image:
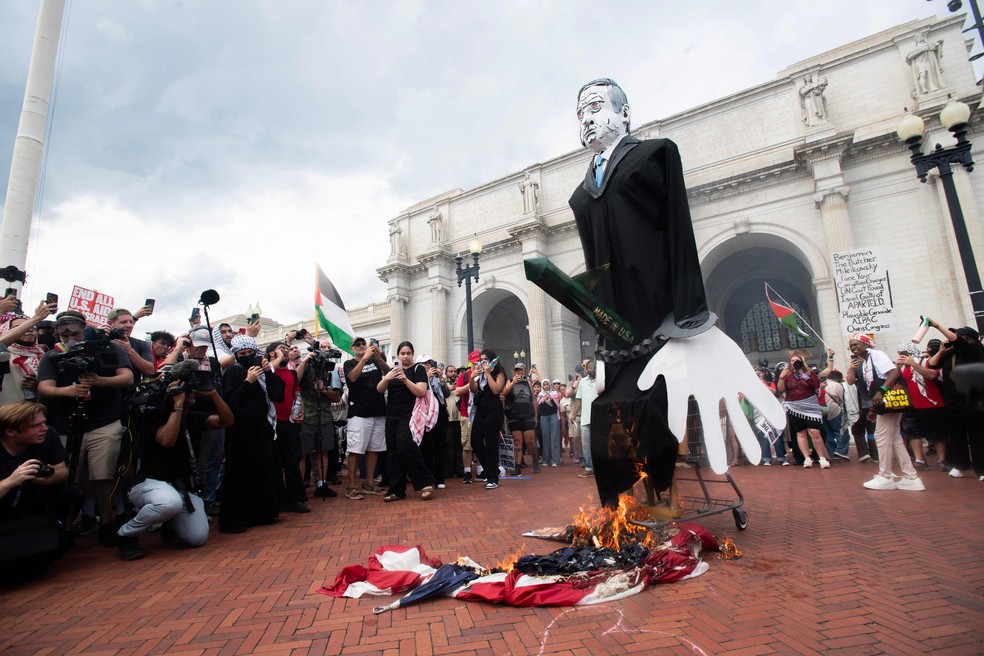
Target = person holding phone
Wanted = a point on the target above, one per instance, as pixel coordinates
(19, 334)
(405, 383)
(250, 488)
(487, 385)
(521, 417)
(803, 413)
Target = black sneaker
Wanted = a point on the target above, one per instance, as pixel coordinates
(130, 548)
(491, 485)
(466, 479)
(89, 525)
(325, 492)
(299, 507)
(108, 536)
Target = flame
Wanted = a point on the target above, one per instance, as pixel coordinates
(605, 527)
(729, 550)
(508, 563)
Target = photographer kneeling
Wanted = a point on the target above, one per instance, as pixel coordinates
(34, 500)
(165, 491)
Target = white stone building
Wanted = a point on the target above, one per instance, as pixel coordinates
(780, 177)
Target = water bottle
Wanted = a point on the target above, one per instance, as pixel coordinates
(295, 410)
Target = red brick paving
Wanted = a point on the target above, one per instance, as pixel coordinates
(829, 568)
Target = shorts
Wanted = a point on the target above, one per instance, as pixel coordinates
(312, 441)
(100, 451)
(522, 425)
(798, 424)
(928, 422)
(366, 434)
(465, 434)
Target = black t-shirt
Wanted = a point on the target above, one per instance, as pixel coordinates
(520, 401)
(144, 350)
(28, 499)
(364, 400)
(106, 403)
(170, 464)
(399, 402)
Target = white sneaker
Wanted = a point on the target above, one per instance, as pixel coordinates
(824, 463)
(880, 483)
(956, 473)
(807, 463)
(911, 484)
(785, 463)
(864, 457)
(766, 463)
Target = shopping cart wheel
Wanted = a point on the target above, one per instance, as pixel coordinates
(741, 519)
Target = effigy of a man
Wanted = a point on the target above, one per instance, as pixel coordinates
(633, 219)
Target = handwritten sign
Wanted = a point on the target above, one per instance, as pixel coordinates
(863, 292)
(95, 307)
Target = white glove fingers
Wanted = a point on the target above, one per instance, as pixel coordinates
(714, 444)
(677, 403)
(746, 436)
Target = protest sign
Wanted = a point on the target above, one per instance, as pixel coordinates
(863, 292)
(94, 306)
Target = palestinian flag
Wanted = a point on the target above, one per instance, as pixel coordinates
(787, 316)
(330, 312)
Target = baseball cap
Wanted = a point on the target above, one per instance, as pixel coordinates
(519, 365)
(69, 317)
(199, 337)
(474, 356)
(358, 339)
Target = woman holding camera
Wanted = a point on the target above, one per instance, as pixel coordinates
(521, 417)
(803, 414)
(406, 383)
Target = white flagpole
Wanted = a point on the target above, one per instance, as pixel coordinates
(768, 288)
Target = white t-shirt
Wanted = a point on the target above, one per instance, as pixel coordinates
(876, 364)
(587, 391)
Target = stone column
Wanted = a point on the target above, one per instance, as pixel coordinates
(439, 322)
(398, 322)
(834, 217)
(539, 316)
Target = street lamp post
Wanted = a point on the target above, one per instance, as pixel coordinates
(954, 118)
(465, 274)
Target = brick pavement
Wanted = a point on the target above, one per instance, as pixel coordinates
(829, 568)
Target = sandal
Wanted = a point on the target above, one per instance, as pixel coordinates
(393, 497)
(427, 493)
(353, 493)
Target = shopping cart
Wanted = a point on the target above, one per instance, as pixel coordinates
(674, 505)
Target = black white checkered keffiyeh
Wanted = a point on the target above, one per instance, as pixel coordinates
(240, 342)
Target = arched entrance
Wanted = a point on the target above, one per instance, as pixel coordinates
(500, 323)
(736, 292)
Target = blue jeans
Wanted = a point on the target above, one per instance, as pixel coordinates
(767, 448)
(550, 429)
(211, 455)
(586, 446)
(837, 441)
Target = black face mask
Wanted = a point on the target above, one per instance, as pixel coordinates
(247, 361)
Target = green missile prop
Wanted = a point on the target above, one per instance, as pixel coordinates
(575, 295)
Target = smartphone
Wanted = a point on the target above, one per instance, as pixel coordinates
(397, 364)
(10, 292)
(19, 307)
(373, 341)
(51, 298)
(150, 303)
(195, 314)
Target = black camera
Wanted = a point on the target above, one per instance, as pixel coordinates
(798, 364)
(46, 471)
(86, 357)
(115, 333)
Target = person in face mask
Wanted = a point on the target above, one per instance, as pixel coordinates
(250, 485)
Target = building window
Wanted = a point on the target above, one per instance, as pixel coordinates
(761, 331)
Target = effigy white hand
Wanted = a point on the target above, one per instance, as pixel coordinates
(711, 368)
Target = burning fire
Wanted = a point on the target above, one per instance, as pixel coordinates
(729, 550)
(604, 527)
(508, 563)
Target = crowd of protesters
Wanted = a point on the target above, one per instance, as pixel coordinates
(899, 407)
(109, 434)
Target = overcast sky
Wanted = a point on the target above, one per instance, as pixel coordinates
(230, 145)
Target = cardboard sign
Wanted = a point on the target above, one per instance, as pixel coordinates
(863, 292)
(95, 307)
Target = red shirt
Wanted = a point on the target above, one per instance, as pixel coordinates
(932, 399)
(289, 376)
(463, 399)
